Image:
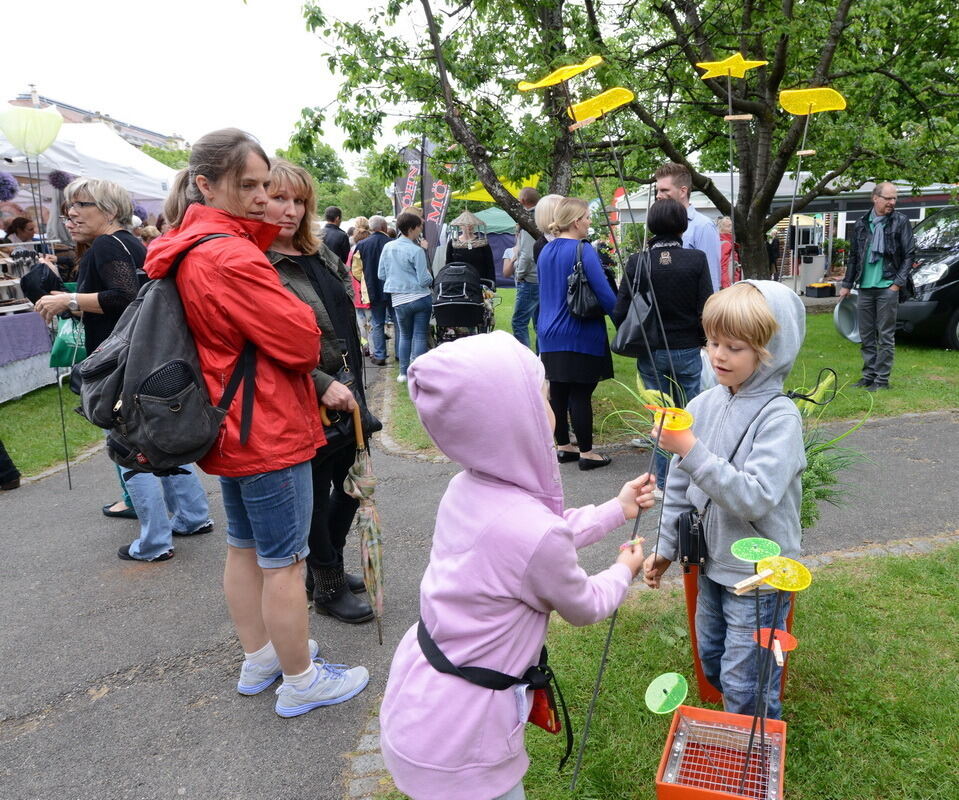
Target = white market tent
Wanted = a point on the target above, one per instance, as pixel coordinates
(93, 150)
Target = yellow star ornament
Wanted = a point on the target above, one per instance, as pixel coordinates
(735, 66)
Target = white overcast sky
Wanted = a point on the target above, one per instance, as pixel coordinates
(178, 66)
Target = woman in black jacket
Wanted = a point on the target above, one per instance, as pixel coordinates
(682, 284)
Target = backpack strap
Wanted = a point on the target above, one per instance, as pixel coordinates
(245, 369)
(539, 676)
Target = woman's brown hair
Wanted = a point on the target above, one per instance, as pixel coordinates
(218, 155)
(300, 183)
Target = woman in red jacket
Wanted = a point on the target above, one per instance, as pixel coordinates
(231, 295)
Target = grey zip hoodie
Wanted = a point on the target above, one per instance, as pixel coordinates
(759, 493)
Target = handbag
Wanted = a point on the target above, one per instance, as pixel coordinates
(631, 338)
(581, 300)
(39, 281)
(339, 426)
(69, 346)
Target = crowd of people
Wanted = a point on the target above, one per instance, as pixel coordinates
(315, 302)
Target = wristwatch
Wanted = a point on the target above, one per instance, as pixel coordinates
(73, 305)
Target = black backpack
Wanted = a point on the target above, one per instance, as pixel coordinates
(458, 295)
(144, 384)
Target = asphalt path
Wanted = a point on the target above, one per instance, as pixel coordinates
(119, 678)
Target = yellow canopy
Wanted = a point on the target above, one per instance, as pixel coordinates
(478, 192)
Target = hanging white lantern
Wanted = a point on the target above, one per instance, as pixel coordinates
(31, 130)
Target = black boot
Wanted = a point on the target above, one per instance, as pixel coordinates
(331, 596)
(355, 583)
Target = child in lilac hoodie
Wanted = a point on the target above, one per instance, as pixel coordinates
(503, 557)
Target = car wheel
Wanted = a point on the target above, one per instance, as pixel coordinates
(952, 331)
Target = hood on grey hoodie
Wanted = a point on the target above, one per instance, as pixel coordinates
(480, 399)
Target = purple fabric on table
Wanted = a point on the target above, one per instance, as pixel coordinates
(22, 336)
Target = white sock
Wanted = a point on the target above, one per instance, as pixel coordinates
(264, 657)
(302, 681)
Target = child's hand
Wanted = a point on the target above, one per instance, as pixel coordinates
(653, 569)
(678, 442)
(632, 556)
(637, 494)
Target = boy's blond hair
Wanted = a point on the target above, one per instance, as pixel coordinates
(741, 312)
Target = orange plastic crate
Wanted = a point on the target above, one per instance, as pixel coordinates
(705, 753)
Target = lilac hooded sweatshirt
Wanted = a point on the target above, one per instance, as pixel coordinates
(503, 557)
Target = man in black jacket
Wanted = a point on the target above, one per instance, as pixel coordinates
(880, 257)
(369, 251)
(333, 236)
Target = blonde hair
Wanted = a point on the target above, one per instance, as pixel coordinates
(725, 225)
(543, 214)
(741, 312)
(300, 183)
(567, 211)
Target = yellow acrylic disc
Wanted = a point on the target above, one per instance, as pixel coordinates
(811, 101)
(677, 419)
(603, 103)
(561, 74)
(788, 575)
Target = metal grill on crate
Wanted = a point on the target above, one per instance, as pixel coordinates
(711, 755)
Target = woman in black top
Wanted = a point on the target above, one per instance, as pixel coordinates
(99, 211)
(471, 249)
(682, 284)
(313, 273)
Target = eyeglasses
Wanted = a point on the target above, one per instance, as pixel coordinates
(81, 204)
(883, 197)
(67, 221)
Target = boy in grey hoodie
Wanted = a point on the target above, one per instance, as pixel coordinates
(754, 331)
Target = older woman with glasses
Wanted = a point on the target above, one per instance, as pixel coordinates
(99, 212)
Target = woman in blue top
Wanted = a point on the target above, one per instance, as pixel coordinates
(575, 352)
(406, 277)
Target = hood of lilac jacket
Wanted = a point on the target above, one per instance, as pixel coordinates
(503, 557)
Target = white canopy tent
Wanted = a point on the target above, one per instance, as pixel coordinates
(93, 150)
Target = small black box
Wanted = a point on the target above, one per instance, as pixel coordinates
(821, 290)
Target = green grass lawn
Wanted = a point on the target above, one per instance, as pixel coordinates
(925, 378)
(30, 429)
(871, 703)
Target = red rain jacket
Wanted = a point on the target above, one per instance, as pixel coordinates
(231, 294)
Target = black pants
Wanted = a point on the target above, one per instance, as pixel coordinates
(8, 472)
(333, 508)
(576, 399)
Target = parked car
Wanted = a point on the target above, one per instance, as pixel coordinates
(933, 307)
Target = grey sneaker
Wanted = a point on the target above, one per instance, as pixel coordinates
(335, 683)
(639, 442)
(254, 679)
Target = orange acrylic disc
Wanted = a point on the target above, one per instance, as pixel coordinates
(787, 642)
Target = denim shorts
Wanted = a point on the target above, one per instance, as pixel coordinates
(270, 511)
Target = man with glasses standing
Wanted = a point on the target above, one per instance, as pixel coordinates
(880, 257)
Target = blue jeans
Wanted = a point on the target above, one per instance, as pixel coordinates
(525, 311)
(270, 511)
(154, 499)
(725, 625)
(377, 321)
(413, 323)
(685, 374)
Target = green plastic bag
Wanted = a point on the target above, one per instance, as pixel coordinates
(69, 346)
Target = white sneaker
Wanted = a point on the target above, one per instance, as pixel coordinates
(254, 678)
(334, 683)
(401, 379)
(657, 494)
(644, 443)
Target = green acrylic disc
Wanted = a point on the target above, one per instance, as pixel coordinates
(666, 693)
(754, 549)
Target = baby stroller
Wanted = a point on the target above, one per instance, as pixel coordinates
(463, 303)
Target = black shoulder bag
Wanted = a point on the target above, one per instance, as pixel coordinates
(580, 297)
(540, 678)
(631, 338)
(338, 426)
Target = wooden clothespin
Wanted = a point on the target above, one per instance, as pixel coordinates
(805, 152)
(737, 117)
(581, 124)
(778, 651)
(750, 583)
